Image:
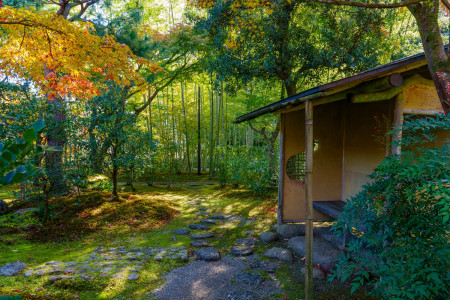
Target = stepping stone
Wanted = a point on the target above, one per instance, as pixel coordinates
(133, 276)
(99, 249)
(208, 221)
(266, 266)
(268, 236)
(118, 275)
(208, 254)
(200, 243)
(69, 270)
(279, 253)
(54, 271)
(59, 277)
(81, 271)
(28, 273)
(317, 273)
(243, 295)
(12, 269)
(325, 253)
(85, 277)
(181, 231)
(247, 242)
(202, 213)
(288, 231)
(217, 216)
(199, 236)
(41, 273)
(241, 251)
(199, 227)
(202, 209)
(249, 278)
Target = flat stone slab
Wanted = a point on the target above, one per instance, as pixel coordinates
(133, 276)
(325, 253)
(199, 227)
(266, 266)
(249, 278)
(12, 269)
(279, 253)
(208, 254)
(268, 237)
(200, 243)
(241, 251)
(247, 242)
(59, 277)
(199, 236)
(202, 209)
(181, 231)
(217, 216)
(202, 213)
(208, 221)
(288, 231)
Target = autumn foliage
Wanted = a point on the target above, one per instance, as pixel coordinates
(64, 57)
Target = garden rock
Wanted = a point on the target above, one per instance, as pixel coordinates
(249, 278)
(28, 273)
(279, 253)
(247, 242)
(241, 251)
(199, 227)
(59, 277)
(208, 221)
(243, 295)
(216, 216)
(199, 236)
(12, 269)
(133, 276)
(181, 231)
(200, 243)
(317, 273)
(86, 277)
(266, 266)
(23, 211)
(325, 253)
(208, 254)
(268, 237)
(288, 231)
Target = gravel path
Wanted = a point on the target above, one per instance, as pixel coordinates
(213, 281)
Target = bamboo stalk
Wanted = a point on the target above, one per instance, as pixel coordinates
(309, 200)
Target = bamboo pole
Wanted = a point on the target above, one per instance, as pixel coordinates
(309, 200)
(398, 122)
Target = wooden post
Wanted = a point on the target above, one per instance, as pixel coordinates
(398, 122)
(281, 173)
(309, 200)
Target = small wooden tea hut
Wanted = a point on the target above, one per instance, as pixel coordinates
(342, 119)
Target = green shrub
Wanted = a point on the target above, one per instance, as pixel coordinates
(403, 253)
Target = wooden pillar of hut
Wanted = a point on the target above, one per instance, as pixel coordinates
(309, 200)
(398, 122)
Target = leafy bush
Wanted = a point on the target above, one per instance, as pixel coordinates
(404, 211)
(245, 166)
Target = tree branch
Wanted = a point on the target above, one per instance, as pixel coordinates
(446, 3)
(369, 5)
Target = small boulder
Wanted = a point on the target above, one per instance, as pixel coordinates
(247, 242)
(279, 253)
(288, 231)
(249, 278)
(200, 243)
(23, 211)
(12, 269)
(208, 221)
(199, 236)
(317, 273)
(181, 231)
(28, 273)
(266, 266)
(199, 227)
(325, 253)
(216, 216)
(208, 254)
(241, 251)
(86, 277)
(268, 237)
(133, 276)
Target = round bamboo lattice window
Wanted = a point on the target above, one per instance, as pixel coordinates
(295, 166)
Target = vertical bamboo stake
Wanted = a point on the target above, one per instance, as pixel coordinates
(309, 200)
(398, 122)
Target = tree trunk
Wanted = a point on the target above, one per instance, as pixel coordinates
(426, 15)
(199, 147)
(183, 107)
(115, 173)
(211, 137)
(56, 137)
